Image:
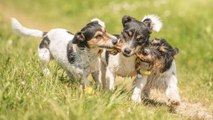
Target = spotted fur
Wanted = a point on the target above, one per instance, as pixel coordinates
(158, 58)
(76, 54)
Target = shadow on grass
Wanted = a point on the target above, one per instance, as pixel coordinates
(154, 103)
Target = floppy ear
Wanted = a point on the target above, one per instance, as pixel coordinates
(175, 51)
(79, 37)
(126, 19)
(167, 64)
(153, 22)
(168, 59)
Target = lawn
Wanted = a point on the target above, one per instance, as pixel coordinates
(27, 94)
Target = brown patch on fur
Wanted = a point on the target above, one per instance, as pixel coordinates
(130, 33)
(163, 48)
(100, 37)
(155, 41)
(138, 37)
(157, 65)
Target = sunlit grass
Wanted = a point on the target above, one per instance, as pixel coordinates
(27, 94)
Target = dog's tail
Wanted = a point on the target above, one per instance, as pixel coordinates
(20, 29)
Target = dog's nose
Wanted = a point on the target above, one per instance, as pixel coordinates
(127, 50)
(114, 41)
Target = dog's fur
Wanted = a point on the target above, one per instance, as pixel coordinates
(134, 35)
(157, 57)
(76, 54)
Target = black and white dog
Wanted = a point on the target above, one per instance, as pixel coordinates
(156, 69)
(134, 35)
(76, 54)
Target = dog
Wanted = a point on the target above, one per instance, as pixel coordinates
(134, 35)
(155, 68)
(76, 54)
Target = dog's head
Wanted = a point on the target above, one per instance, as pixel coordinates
(94, 35)
(158, 54)
(136, 33)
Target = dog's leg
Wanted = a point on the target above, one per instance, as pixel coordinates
(171, 91)
(44, 57)
(95, 76)
(84, 81)
(102, 73)
(146, 91)
(110, 79)
(139, 84)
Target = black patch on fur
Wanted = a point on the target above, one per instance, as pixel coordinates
(160, 50)
(168, 55)
(86, 34)
(137, 28)
(70, 53)
(44, 33)
(45, 42)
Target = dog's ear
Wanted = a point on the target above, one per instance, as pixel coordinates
(126, 19)
(79, 37)
(167, 64)
(100, 22)
(153, 22)
(169, 58)
(175, 51)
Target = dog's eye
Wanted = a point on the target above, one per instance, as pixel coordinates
(98, 36)
(145, 52)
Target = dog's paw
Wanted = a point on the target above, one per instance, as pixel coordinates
(136, 98)
(173, 102)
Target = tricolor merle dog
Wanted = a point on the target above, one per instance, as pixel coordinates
(76, 54)
(156, 69)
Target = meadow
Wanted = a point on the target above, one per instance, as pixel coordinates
(25, 93)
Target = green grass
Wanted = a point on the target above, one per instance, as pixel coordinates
(26, 94)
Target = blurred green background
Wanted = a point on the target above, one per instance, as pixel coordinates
(26, 94)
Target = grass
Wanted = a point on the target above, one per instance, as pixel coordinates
(26, 94)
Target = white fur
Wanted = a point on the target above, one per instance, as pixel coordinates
(45, 57)
(20, 29)
(99, 21)
(156, 22)
(166, 82)
(117, 65)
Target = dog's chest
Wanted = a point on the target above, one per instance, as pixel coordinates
(123, 66)
(86, 60)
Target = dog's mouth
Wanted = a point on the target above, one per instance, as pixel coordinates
(116, 47)
(106, 47)
(128, 55)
